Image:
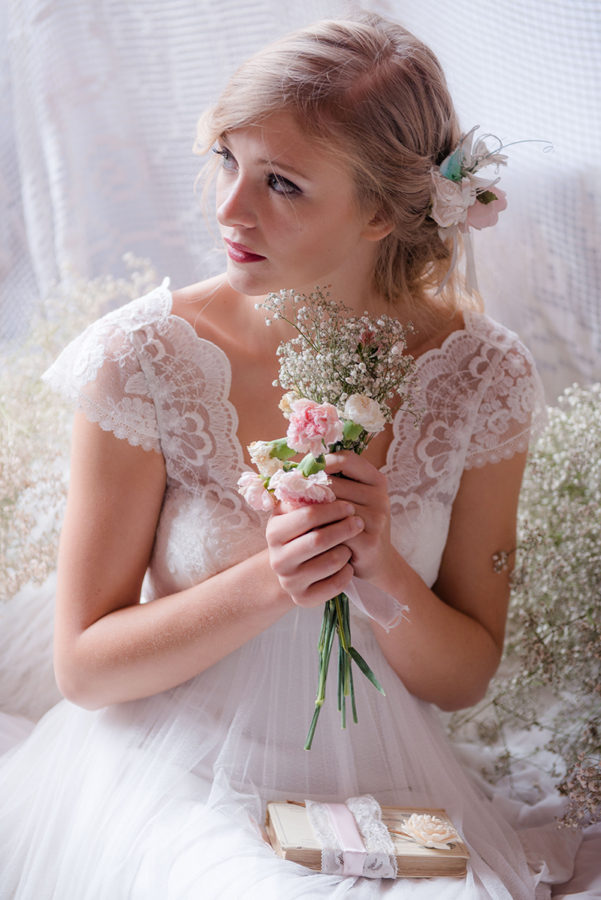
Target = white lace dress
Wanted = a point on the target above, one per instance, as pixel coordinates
(159, 799)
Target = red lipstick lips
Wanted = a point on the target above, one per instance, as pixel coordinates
(241, 254)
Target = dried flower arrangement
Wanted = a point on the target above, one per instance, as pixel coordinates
(35, 424)
(550, 682)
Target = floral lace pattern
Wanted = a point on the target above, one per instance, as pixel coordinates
(146, 375)
(378, 859)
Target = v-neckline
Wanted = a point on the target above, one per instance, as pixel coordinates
(419, 363)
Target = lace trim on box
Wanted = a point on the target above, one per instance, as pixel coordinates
(375, 860)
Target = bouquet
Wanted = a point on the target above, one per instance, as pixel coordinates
(345, 376)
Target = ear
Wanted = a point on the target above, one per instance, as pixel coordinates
(378, 227)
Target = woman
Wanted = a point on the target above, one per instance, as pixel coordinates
(189, 713)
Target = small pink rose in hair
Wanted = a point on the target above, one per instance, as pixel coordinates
(251, 486)
(483, 214)
(312, 425)
(297, 489)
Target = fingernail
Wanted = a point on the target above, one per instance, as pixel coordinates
(349, 509)
(358, 522)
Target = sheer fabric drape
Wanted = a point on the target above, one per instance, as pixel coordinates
(99, 103)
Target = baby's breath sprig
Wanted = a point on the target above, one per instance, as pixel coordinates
(336, 354)
(35, 422)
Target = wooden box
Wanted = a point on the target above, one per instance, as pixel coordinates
(291, 836)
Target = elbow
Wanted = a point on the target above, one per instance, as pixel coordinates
(463, 698)
(75, 683)
(470, 691)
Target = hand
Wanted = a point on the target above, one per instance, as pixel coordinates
(309, 549)
(366, 488)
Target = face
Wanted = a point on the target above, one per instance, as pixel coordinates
(288, 214)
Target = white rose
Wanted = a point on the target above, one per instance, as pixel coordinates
(364, 411)
(260, 455)
(430, 831)
(451, 199)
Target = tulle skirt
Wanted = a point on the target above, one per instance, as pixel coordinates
(164, 798)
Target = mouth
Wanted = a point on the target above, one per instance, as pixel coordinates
(241, 254)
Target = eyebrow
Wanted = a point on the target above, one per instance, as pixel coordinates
(284, 165)
(270, 162)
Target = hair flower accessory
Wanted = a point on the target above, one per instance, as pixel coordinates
(463, 199)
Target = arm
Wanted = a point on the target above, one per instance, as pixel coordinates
(451, 646)
(110, 648)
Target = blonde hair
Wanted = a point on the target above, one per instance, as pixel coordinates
(371, 92)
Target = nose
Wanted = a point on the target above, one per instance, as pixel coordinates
(235, 204)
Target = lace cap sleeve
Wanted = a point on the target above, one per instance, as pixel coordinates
(101, 373)
(512, 413)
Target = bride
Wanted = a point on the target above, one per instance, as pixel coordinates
(187, 712)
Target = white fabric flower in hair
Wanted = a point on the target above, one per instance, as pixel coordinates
(451, 199)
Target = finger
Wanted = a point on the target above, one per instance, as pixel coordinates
(287, 558)
(361, 495)
(322, 591)
(319, 568)
(353, 466)
(289, 525)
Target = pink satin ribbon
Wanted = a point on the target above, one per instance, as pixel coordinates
(349, 838)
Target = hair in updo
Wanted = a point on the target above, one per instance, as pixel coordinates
(376, 96)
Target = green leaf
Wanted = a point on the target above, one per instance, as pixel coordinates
(451, 167)
(351, 431)
(486, 197)
(309, 465)
(281, 450)
(366, 670)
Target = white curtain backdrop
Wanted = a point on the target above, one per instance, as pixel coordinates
(98, 104)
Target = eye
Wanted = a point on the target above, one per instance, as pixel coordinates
(282, 185)
(227, 159)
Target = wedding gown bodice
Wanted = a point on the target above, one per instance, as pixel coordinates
(145, 375)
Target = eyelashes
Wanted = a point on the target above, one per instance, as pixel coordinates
(282, 185)
(277, 183)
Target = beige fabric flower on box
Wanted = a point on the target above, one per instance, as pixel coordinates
(430, 831)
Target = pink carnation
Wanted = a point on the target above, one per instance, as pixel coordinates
(251, 486)
(294, 487)
(312, 425)
(483, 215)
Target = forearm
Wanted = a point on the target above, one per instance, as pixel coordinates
(143, 649)
(441, 654)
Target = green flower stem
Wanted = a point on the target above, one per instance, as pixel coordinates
(325, 649)
(336, 620)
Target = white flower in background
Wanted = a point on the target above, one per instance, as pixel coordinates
(364, 411)
(286, 402)
(260, 454)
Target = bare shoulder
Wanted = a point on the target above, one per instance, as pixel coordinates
(432, 335)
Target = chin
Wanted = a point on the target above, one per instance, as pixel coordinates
(248, 283)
